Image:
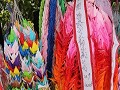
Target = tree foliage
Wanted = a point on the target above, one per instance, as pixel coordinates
(27, 8)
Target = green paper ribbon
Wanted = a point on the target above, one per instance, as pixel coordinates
(41, 16)
(62, 4)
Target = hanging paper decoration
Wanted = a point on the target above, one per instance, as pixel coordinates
(24, 64)
(62, 4)
(58, 17)
(66, 67)
(50, 37)
(100, 28)
(116, 49)
(77, 49)
(105, 5)
(60, 53)
(45, 30)
(82, 36)
(41, 16)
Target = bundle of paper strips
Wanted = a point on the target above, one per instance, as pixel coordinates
(24, 64)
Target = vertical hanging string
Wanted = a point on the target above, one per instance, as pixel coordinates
(16, 14)
(40, 16)
(50, 38)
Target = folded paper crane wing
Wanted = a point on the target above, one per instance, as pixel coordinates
(34, 47)
(12, 36)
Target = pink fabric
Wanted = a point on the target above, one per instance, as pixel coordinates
(68, 19)
(58, 17)
(101, 42)
(45, 30)
(72, 60)
(105, 5)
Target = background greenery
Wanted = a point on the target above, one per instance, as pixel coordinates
(27, 8)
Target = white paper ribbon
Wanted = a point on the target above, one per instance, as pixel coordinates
(83, 44)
